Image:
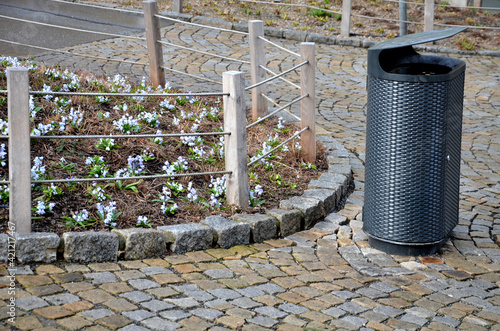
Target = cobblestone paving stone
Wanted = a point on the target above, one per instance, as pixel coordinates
(323, 278)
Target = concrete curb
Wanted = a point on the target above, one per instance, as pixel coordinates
(294, 215)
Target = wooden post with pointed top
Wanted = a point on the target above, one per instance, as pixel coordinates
(233, 83)
(153, 35)
(307, 105)
(19, 149)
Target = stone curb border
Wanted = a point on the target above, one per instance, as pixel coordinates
(296, 214)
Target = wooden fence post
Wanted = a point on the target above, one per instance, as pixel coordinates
(345, 25)
(19, 149)
(307, 105)
(177, 6)
(257, 74)
(153, 34)
(233, 82)
(429, 15)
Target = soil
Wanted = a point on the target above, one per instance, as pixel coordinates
(296, 15)
(284, 175)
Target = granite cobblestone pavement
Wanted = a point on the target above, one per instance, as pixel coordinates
(323, 278)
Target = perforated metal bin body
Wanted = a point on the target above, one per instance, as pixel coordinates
(413, 138)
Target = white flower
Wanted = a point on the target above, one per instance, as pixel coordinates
(280, 123)
(192, 194)
(40, 208)
(258, 190)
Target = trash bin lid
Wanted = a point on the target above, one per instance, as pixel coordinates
(418, 38)
(395, 59)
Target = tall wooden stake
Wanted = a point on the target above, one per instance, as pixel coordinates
(307, 105)
(19, 149)
(153, 35)
(236, 143)
(257, 74)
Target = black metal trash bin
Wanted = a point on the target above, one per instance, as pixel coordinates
(413, 138)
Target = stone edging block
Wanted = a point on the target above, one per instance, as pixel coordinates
(85, 247)
(188, 237)
(141, 243)
(310, 208)
(36, 247)
(289, 221)
(262, 227)
(328, 198)
(228, 233)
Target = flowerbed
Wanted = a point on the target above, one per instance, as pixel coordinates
(133, 202)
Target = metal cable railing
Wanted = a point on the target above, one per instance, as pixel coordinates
(117, 136)
(407, 2)
(190, 75)
(73, 29)
(385, 19)
(102, 179)
(467, 7)
(276, 111)
(277, 147)
(277, 105)
(291, 5)
(280, 47)
(102, 7)
(96, 94)
(283, 79)
(202, 52)
(73, 54)
(200, 25)
(275, 77)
